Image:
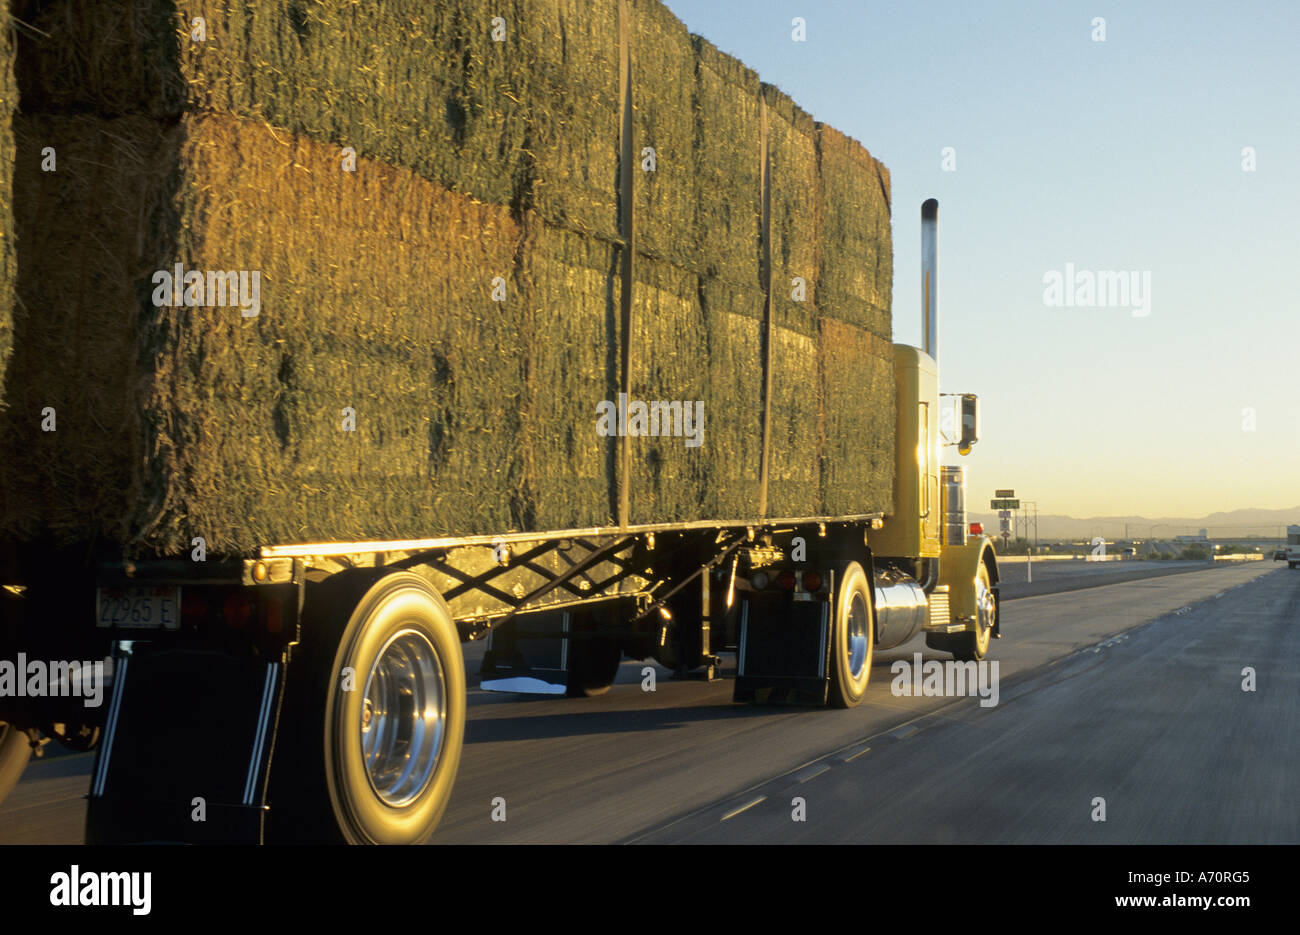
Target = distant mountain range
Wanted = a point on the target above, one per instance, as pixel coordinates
(1233, 524)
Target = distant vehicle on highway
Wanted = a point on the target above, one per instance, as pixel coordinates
(1293, 546)
(1129, 553)
(1279, 555)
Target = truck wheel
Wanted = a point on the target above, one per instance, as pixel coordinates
(972, 647)
(15, 751)
(593, 666)
(853, 638)
(392, 744)
(374, 714)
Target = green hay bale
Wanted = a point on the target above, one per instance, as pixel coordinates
(530, 121)
(422, 86)
(794, 219)
(733, 408)
(8, 271)
(663, 83)
(858, 391)
(728, 205)
(572, 367)
(175, 422)
(573, 111)
(856, 259)
(669, 480)
(794, 469)
(85, 246)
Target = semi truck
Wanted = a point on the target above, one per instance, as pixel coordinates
(316, 691)
(1293, 547)
(339, 339)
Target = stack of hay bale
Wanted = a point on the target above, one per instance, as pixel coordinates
(428, 201)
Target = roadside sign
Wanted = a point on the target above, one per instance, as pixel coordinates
(1005, 493)
(1006, 540)
(1006, 526)
(1004, 514)
(1004, 504)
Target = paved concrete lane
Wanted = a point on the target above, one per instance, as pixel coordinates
(577, 771)
(1056, 577)
(1154, 721)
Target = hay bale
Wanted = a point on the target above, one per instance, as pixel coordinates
(663, 87)
(573, 112)
(858, 392)
(794, 469)
(426, 88)
(375, 295)
(530, 121)
(572, 367)
(855, 276)
(732, 316)
(670, 478)
(794, 218)
(728, 163)
(8, 271)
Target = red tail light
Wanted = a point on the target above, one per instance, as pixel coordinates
(194, 609)
(785, 581)
(273, 616)
(812, 581)
(977, 529)
(237, 611)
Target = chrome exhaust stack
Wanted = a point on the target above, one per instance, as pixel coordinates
(930, 277)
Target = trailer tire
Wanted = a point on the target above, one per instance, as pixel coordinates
(593, 666)
(852, 639)
(376, 721)
(972, 647)
(15, 751)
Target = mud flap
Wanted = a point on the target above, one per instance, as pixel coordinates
(783, 656)
(186, 748)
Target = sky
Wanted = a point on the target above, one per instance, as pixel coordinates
(1122, 155)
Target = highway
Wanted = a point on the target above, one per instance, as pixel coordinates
(1128, 692)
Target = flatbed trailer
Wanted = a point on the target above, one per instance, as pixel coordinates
(316, 692)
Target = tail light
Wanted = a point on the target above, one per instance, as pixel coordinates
(194, 607)
(812, 581)
(977, 529)
(237, 611)
(785, 581)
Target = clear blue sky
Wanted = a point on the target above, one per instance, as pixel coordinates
(1115, 155)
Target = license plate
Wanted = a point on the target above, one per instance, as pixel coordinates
(138, 608)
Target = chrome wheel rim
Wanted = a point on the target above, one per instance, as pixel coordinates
(859, 632)
(403, 718)
(986, 608)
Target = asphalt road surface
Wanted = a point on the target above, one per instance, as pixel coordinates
(1129, 692)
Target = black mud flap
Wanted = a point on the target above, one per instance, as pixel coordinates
(783, 656)
(186, 746)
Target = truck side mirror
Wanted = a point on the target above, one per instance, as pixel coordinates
(970, 422)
